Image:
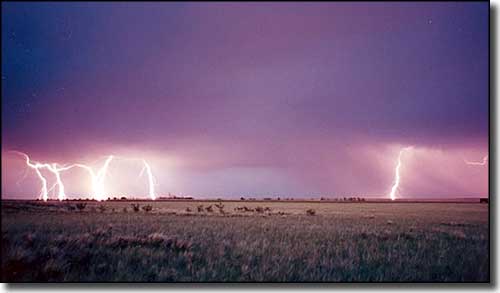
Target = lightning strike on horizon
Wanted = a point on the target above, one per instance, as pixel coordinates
(397, 179)
(147, 167)
(485, 160)
(37, 166)
(61, 195)
(97, 180)
(150, 180)
(44, 192)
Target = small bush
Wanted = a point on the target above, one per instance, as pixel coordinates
(102, 208)
(311, 212)
(147, 208)
(259, 209)
(246, 209)
(209, 209)
(188, 210)
(70, 208)
(81, 206)
(200, 208)
(220, 206)
(135, 207)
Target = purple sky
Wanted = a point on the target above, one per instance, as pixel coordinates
(231, 99)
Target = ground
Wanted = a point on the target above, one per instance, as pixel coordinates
(273, 241)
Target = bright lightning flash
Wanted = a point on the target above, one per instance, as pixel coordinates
(37, 166)
(61, 195)
(150, 180)
(52, 168)
(97, 182)
(97, 179)
(397, 175)
(485, 160)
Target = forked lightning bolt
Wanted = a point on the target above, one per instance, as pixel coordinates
(37, 166)
(61, 195)
(397, 176)
(97, 179)
(52, 168)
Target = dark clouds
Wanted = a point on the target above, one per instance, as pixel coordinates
(297, 87)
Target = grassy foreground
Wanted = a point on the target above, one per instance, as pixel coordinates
(244, 241)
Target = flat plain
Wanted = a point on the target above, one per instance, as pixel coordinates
(244, 241)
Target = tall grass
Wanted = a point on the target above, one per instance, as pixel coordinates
(341, 242)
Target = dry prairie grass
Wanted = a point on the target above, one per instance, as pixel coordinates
(247, 242)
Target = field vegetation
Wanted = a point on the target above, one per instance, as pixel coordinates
(196, 241)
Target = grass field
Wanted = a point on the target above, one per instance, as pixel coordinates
(245, 241)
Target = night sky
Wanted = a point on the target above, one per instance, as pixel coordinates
(249, 99)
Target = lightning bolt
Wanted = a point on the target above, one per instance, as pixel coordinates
(150, 180)
(52, 168)
(61, 195)
(397, 176)
(485, 160)
(97, 180)
(43, 192)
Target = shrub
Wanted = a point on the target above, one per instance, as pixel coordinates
(147, 208)
(188, 210)
(102, 208)
(209, 209)
(81, 206)
(135, 207)
(311, 212)
(220, 206)
(259, 209)
(70, 208)
(200, 208)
